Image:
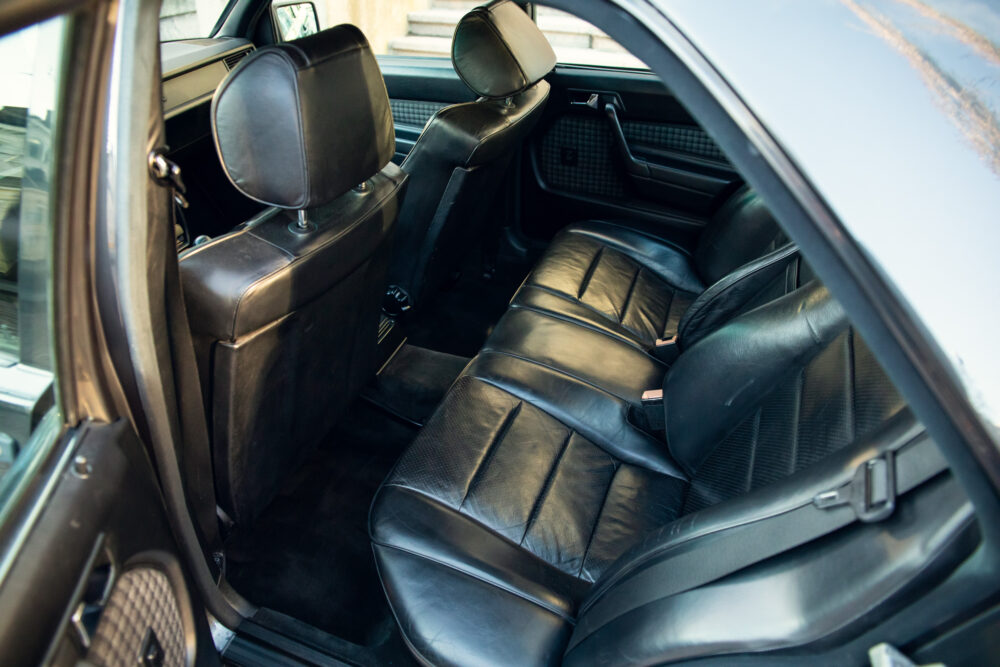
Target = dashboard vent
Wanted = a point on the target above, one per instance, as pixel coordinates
(233, 59)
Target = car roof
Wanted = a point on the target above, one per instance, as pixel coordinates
(889, 108)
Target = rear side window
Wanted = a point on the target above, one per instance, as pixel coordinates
(577, 42)
(423, 28)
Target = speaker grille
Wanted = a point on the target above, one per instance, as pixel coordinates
(141, 624)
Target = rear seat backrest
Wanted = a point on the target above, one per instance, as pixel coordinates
(742, 230)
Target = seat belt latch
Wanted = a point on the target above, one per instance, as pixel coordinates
(666, 350)
(871, 492)
(652, 410)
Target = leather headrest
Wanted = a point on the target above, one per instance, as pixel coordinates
(498, 50)
(298, 124)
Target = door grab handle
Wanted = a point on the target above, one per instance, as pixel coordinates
(634, 166)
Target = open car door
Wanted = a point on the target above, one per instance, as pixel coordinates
(92, 563)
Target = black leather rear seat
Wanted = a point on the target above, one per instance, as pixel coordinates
(629, 283)
(495, 534)
(615, 289)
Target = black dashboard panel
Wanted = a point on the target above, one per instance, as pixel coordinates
(193, 68)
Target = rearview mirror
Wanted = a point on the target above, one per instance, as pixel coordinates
(295, 19)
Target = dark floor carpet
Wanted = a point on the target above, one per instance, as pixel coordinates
(308, 555)
(414, 381)
(459, 318)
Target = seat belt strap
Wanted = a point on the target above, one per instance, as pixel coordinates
(869, 496)
(194, 450)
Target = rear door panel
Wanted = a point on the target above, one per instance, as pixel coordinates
(645, 161)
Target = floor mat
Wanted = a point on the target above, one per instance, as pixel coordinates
(308, 555)
(459, 318)
(414, 381)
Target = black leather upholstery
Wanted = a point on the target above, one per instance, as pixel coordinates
(498, 51)
(300, 123)
(284, 320)
(602, 279)
(639, 287)
(459, 160)
(531, 503)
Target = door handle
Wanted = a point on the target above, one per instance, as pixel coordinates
(592, 101)
(633, 165)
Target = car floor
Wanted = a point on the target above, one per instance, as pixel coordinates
(462, 316)
(308, 555)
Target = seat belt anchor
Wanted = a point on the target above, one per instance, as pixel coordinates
(871, 492)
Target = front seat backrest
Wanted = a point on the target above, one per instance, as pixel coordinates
(284, 310)
(459, 160)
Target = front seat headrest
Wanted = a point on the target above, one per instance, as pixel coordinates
(298, 124)
(498, 51)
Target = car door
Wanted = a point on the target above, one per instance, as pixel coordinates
(90, 564)
(616, 144)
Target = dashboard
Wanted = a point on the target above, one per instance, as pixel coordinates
(193, 68)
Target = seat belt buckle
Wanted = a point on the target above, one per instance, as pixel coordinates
(666, 350)
(871, 492)
(652, 410)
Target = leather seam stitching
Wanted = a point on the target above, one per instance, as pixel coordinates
(549, 478)
(501, 433)
(628, 296)
(554, 370)
(585, 283)
(425, 495)
(622, 248)
(666, 315)
(597, 522)
(569, 319)
(508, 589)
(600, 442)
(569, 297)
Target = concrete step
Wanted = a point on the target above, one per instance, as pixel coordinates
(560, 29)
(420, 45)
(461, 5)
(434, 22)
(424, 45)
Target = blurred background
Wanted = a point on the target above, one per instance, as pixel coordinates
(412, 27)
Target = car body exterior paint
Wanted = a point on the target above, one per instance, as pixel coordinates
(889, 108)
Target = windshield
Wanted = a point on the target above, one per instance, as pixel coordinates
(189, 19)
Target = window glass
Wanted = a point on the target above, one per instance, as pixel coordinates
(29, 93)
(189, 19)
(425, 28)
(396, 27)
(577, 42)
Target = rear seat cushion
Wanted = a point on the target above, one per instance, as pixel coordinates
(637, 286)
(610, 276)
(501, 502)
(528, 484)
